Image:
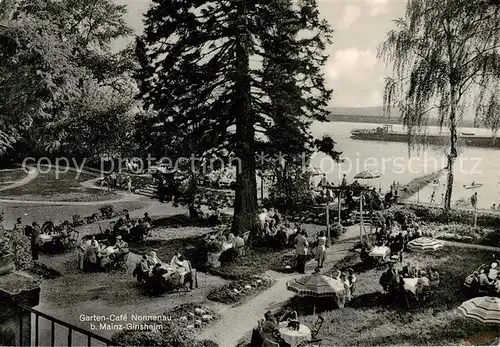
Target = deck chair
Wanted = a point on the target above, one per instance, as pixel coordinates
(317, 327)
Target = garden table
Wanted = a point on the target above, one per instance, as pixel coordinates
(46, 238)
(411, 284)
(294, 337)
(226, 246)
(380, 252)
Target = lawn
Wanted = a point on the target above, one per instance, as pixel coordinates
(368, 321)
(54, 186)
(10, 176)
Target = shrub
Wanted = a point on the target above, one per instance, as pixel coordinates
(18, 245)
(107, 211)
(239, 290)
(77, 221)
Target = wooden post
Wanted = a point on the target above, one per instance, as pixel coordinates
(361, 217)
(475, 217)
(340, 206)
(327, 218)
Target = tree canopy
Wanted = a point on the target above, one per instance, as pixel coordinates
(56, 68)
(235, 77)
(445, 56)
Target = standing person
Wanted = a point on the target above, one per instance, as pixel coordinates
(35, 240)
(433, 197)
(161, 188)
(321, 249)
(301, 245)
(129, 185)
(19, 226)
(473, 200)
(344, 181)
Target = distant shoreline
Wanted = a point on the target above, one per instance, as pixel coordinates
(386, 120)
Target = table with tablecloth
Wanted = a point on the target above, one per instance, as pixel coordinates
(46, 238)
(106, 255)
(411, 284)
(226, 246)
(294, 337)
(380, 252)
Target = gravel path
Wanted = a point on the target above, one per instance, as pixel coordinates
(238, 320)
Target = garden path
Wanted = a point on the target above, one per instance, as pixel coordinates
(238, 320)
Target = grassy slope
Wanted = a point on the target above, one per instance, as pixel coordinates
(369, 322)
(11, 176)
(58, 187)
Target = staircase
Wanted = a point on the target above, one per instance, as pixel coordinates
(150, 191)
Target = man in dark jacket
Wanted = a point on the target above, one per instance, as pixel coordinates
(35, 240)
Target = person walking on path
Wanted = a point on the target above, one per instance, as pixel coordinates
(321, 249)
(301, 249)
(35, 241)
(129, 185)
(433, 197)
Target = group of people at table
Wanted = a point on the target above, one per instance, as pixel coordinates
(157, 275)
(486, 280)
(95, 256)
(401, 280)
(136, 229)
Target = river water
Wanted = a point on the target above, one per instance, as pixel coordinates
(395, 163)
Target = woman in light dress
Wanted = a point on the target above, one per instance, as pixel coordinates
(321, 249)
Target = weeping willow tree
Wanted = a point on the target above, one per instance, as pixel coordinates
(445, 58)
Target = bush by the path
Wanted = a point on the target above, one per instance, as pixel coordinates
(44, 271)
(238, 291)
(178, 330)
(440, 215)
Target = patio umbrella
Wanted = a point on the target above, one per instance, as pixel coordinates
(484, 309)
(424, 244)
(316, 285)
(316, 171)
(367, 175)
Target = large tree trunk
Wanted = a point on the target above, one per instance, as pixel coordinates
(452, 156)
(245, 202)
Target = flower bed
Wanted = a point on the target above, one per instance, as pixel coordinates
(239, 290)
(180, 329)
(44, 271)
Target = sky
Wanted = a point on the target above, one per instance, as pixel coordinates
(353, 70)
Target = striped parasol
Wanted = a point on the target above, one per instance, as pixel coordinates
(316, 285)
(367, 175)
(484, 309)
(424, 244)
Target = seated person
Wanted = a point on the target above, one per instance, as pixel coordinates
(230, 238)
(153, 259)
(496, 286)
(423, 280)
(472, 283)
(290, 314)
(238, 243)
(484, 281)
(121, 246)
(409, 271)
(352, 279)
(434, 277)
(142, 270)
(185, 270)
(336, 275)
(493, 272)
(147, 219)
(175, 259)
(347, 286)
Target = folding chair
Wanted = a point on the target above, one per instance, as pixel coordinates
(317, 327)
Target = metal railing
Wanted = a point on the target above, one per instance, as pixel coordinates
(90, 336)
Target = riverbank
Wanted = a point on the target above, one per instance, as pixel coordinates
(417, 184)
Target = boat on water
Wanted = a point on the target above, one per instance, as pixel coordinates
(387, 133)
(473, 185)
